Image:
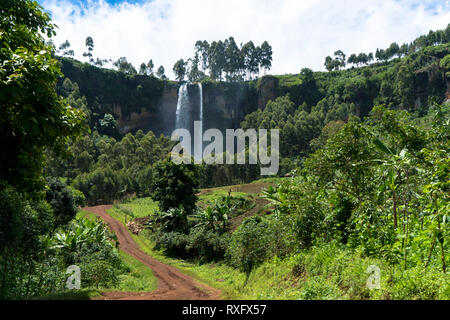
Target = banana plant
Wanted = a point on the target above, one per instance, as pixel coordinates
(215, 217)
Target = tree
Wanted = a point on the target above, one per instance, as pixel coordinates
(108, 125)
(142, 69)
(339, 58)
(404, 85)
(232, 57)
(124, 66)
(33, 115)
(64, 48)
(62, 202)
(266, 56)
(179, 69)
(380, 54)
(329, 63)
(193, 72)
(90, 47)
(393, 50)
(202, 48)
(216, 60)
(175, 186)
(352, 59)
(160, 73)
(249, 55)
(100, 62)
(362, 58)
(150, 67)
(249, 245)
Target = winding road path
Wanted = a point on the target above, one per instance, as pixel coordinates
(172, 284)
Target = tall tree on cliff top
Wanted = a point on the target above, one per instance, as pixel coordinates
(266, 56)
(248, 52)
(90, 47)
(179, 69)
(216, 60)
(201, 48)
(124, 66)
(64, 49)
(150, 67)
(160, 73)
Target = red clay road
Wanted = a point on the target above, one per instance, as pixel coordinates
(172, 284)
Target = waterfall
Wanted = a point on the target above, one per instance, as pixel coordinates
(183, 118)
(198, 150)
(182, 113)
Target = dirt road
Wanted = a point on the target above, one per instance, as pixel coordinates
(172, 284)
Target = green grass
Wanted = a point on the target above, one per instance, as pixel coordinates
(139, 278)
(85, 214)
(218, 276)
(217, 194)
(271, 180)
(141, 207)
(327, 271)
(82, 294)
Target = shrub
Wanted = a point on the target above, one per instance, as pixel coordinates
(101, 269)
(61, 200)
(207, 245)
(249, 245)
(418, 284)
(319, 289)
(79, 200)
(174, 243)
(174, 219)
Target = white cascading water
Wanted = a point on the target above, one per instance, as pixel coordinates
(199, 138)
(182, 113)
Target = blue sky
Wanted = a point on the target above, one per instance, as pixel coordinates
(301, 33)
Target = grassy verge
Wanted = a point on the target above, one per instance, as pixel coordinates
(85, 214)
(328, 271)
(216, 194)
(82, 294)
(141, 207)
(138, 278)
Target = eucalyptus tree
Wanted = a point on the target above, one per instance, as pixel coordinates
(266, 56)
(64, 49)
(124, 66)
(90, 47)
(179, 68)
(160, 73)
(232, 58)
(202, 48)
(216, 59)
(150, 67)
(249, 54)
(142, 69)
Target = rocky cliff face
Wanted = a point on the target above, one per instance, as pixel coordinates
(160, 121)
(267, 90)
(148, 103)
(225, 106)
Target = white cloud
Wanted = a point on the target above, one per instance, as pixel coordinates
(301, 33)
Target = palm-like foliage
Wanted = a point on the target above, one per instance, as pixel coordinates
(83, 233)
(215, 217)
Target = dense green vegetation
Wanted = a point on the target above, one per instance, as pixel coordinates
(366, 150)
(39, 234)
